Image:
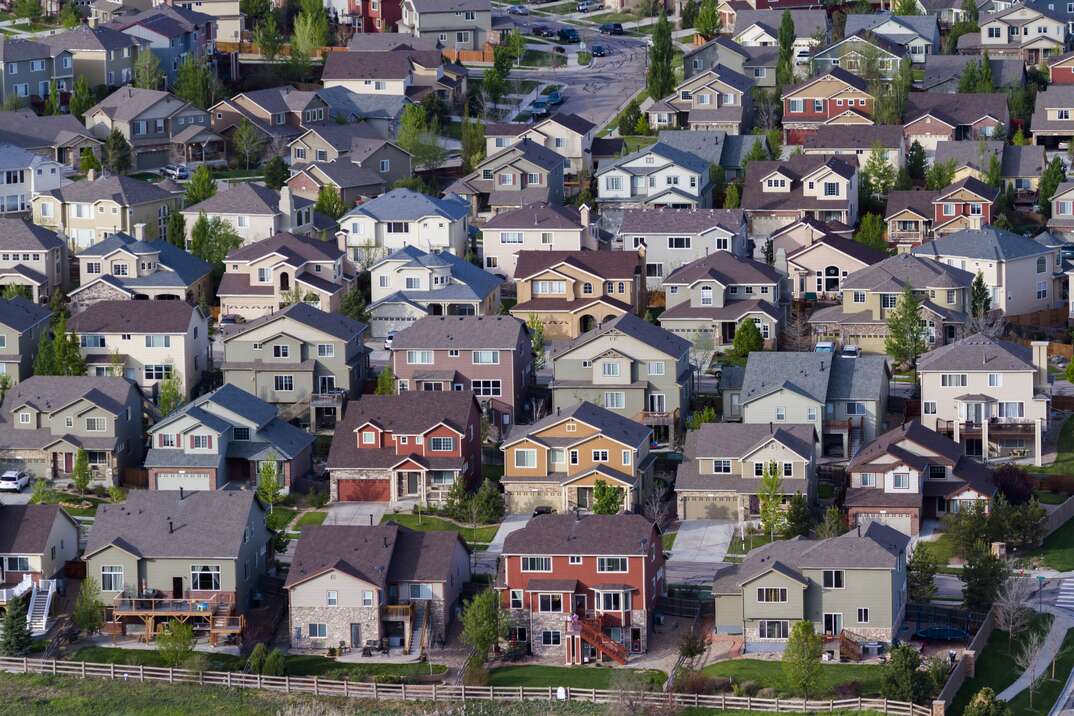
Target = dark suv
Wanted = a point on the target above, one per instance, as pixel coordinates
(611, 28)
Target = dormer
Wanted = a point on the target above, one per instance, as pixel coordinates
(612, 367)
(25, 418)
(369, 436)
(777, 182)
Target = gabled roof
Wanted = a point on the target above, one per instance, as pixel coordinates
(978, 352)
(895, 273)
(19, 314)
(665, 220)
(971, 184)
(917, 201)
(602, 264)
(854, 249)
(409, 205)
(541, 215)
(767, 372)
(987, 243)
(462, 332)
(944, 69)
(47, 393)
(737, 440)
(609, 424)
(726, 268)
(855, 136)
(25, 529)
(85, 37)
(187, 267)
(880, 42)
(954, 110)
(573, 533)
(974, 155)
(133, 317)
(123, 190)
(807, 23)
(470, 281)
(128, 102)
(635, 327)
(334, 324)
(1024, 161)
(912, 26)
(21, 235)
(289, 246)
(391, 65)
(242, 198)
(837, 73)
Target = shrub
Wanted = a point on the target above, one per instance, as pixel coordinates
(1015, 483)
(256, 662)
(746, 688)
(388, 679)
(767, 693)
(318, 498)
(474, 672)
(696, 682)
(100, 491)
(847, 690)
(275, 664)
(331, 652)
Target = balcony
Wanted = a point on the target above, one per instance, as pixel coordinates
(651, 417)
(848, 425)
(328, 399)
(996, 427)
(399, 612)
(904, 237)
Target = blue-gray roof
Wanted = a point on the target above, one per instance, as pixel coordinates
(186, 267)
(468, 281)
(344, 103)
(650, 334)
(804, 373)
(682, 158)
(409, 205)
(924, 26)
(20, 313)
(736, 148)
(987, 243)
(334, 324)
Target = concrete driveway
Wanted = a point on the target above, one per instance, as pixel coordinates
(355, 513)
(485, 561)
(699, 550)
(15, 498)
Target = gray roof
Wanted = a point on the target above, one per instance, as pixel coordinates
(298, 249)
(726, 268)
(612, 425)
(806, 22)
(956, 111)
(464, 332)
(942, 72)
(682, 157)
(978, 352)
(975, 155)
(20, 50)
(133, 317)
(346, 174)
(924, 26)
(737, 147)
(895, 273)
(631, 325)
(805, 373)
(334, 324)
(204, 524)
(21, 235)
(855, 136)
(861, 378)
(165, 19)
(85, 37)
(988, 243)
(186, 267)
(731, 377)
(692, 221)
(240, 198)
(19, 313)
(122, 189)
(345, 103)
(389, 41)
(25, 529)
(409, 205)
(25, 129)
(736, 440)
(452, 5)
(1025, 161)
(706, 144)
(540, 215)
(396, 64)
(46, 393)
(128, 102)
(468, 281)
(573, 533)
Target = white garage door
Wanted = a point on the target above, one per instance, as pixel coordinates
(185, 480)
(523, 501)
(900, 522)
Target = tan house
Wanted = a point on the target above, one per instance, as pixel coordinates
(534, 227)
(1029, 32)
(817, 186)
(401, 72)
(717, 98)
(255, 211)
(909, 217)
(33, 257)
(558, 461)
(524, 173)
(36, 542)
(280, 113)
(60, 137)
(568, 135)
(102, 55)
(817, 270)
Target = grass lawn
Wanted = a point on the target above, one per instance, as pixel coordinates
(613, 17)
(1049, 690)
(584, 58)
(1064, 461)
(562, 9)
(593, 677)
(942, 548)
(632, 143)
(770, 673)
(280, 518)
(536, 58)
(668, 538)
(1050, 498)
(1057, 551)
(56, 497)
(481, 535)
(640, 97)
(310, 518)
(826, 490)
(752, 541)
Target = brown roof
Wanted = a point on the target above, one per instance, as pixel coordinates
(797, 166)
(396, 64)
(855, 136)
(603, 264)
(916, 201)
(290, 246)
(24, 529)
(133, 317)
(571, 533)
(726, 268)
(954, 109)
(465, 332)
(852, 248)
(537, 216)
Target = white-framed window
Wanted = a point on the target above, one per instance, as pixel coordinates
(111, 578)
(419, 357)
(317, 631)
(833, 579)
(953, 380)
(773, 629)
(771, 594)
(995, 380)
(612, 564)
(721, 467)
(901, 480)
(536, 564)
(442, 444)
(486, 358)
(855, 408)
(928, 407)
(205, 577)
(525, 458)
(600, 456)
(550, 603)
(628, 457)
(656, 367)
(331, 598)
(95, 425)
(781, 414)
(283, 383)
(614, 400)
(609, 369)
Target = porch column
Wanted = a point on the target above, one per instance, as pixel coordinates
(393, 492)
(1038, 441)
(985, 452)
(958, 424)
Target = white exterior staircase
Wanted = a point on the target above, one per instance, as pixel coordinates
(37, 616)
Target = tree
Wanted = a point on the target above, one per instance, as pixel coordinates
(629, 118)
(354, 304)
(642, 128)
(915, 161)
(256, 661)
(921, 570)
(88, 614)
(906, 335)
(117, 153)
(985, 703)
(329, 202)
(878, 174)
(785, 63)
(386, 382)
(15, 637)
(747, 340)
(1019, 138)
(871, 232)
(833, 524)
(194, 82)
(801, 659)
(798, 521)
(968, 529)
(45, 360)
(1012, 610)
(473, 140)
(982, 577)
(902, 679)
(201, 186)
(940, 174)
(708, 20)
(994, 173)
(267, 37)
(699, 417)
(311, 32)
(661, 77)
(970, 78)
(81, 99)
(175, 231)
(248, 142)
(175, 643)
(980, 297)
(52, 101)
(770, 498)
(171, 393)
(607, 499)
(212, 240)
(87, 160)
(69, 16)
(688, 16)
(906, 7)
(256, 10)
(1054, 175)
(67, 355)
(276, 174)
(5, 386)
(483, 623)
(81, 475)
(26, 9)
(268, 481)
(985, 83)
(969, 8)
(1026, 657)
(536, 328)
(731, 197)
(758, 152)
(147, 72)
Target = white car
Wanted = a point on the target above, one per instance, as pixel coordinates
(388, 340)
(850, 351)
(14, 481)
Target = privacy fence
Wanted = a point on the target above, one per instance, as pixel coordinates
(437, 692)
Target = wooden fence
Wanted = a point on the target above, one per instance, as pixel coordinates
(436, 692)
(964, 667)
(1059, 516)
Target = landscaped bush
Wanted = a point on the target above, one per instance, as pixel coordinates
(767, 693)
(695, 682)
(275, 664)
(746, 688)
(474, 672)
(847, 690)
(318, 498)
(388, 679)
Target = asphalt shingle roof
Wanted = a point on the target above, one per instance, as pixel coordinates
(20, 314)
(541, 215)
(463, 332)
(693, 221)
(133, 317)
(988, 243)
(581, 534)
(409, 205)
(604, 264)
(726, 268)
(122, 189)
(895, 273)
(978, 352)
(635, 327)
(25, 529)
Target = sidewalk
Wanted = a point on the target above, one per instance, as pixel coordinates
(1060, 625)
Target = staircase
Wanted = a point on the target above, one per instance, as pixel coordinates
(593, 634)
(37, 615)
(419, 627)
(854, 440)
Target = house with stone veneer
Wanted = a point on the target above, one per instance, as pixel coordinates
(361, 585)
(851, 586)
(582, 588)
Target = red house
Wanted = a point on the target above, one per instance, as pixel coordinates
(1061, 69)
(835, 97)
(407, 448)
(966, 204)
(375, 15)
(583, 586)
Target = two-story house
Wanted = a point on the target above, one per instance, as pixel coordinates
(672, 238)
(405, 73)
(757, 63)
(712, 296)
(569, 135)
(35, 544)
(716, 98)
(255, 212)
(401, 218)
(102, 55)
(1033, 33)
(856, 49)
(24, 174)
(305, 362)
(280, 113)
(172, 33)
(490, 356)
(543, 226)
(723, 464)
(31, 66)
(918, 34)
(1061, 69)
(1051, 121)
(363, 584)
(909, 216)
(852, 587)
(582, 587)
(372, 16)
(966, 204)
(674, 172)
(22, 323)
(860, 141)
(871, 294)
(227, 14)
(410, 448)
(523, 173)
(933, 117)
(815, 270)
(457, 25)
(572, 292)
(760, 28)
(911, 473)
(46, 420)
(834, 97)
(1061, 221)
(267, 275)
(410, 284)
(225, 437)
(820, 186)
(984, 392)
(630, 366)
(34, 257)
(145, 342)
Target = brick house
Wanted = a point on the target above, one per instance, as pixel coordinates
(835, 97)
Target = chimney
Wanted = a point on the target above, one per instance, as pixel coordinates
(287, 204)
(91, 175)
(583, 215)
(171, 527)
(139, 231)
(1040, 361)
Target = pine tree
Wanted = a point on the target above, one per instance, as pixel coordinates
(201, 186)
(81, 98)
(81, 474)
(984, 82)
(747, 340)
(629, 118)
(871, 232)
(770, 500)
(980, 296)
(994, 173)
(906, 338)
(45, 360)
(731, 198)
(833, 524)
(689, 15)
(915, 161)
(87, 160)
(661, 78)
(276, 174)
(906, 7)
(970, 78)
(386, 381)
(785, 64)
(15, 637)
(52, 102)
(117, 153)
(354, 305)
(176, 230)
(921, 570)
(1054, 175)
(194, 82)
(799, 521)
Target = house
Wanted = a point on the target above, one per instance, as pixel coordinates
(729, 388)
(630, 366)
(833, 97)
(372, 17)
(160, 127)
(852, 587)
(533, 227)
(982, 391)
(818, 269)
(46, 420)
(672, 238)
(1052, 126)
(1022, 275)
(942, 72)
(717, 98)
(871, 294)
(1021, 171)
(357, 144)
(255, 212)
(172, 33)
(409, 284)
(909, 216)
(949, 12)
(674, 172)
(34, 257)
(401, 218)
(31, 66)
(380, 112)
(760, 28)
(457, 26)
(102, 55)
(194, 556)
(226, 437)
(1061, 69)
(859, 140)
(1033, 34)
(572, 292)
(844, 400)
(932, 117)
(91, 210)
(966, 204)
(408, 73)
(853, 51)
(491, 356)
(911, 473)
(758, 63)
(354, 184)
(144, 341)
(410, 448)
(723, 463)
(820, 186)
(524, 173)
(126, 268)
(802, 233)
(712, 296)
(60, 137)
(918, 34)
(35, 543)
(25, 174)
(567, 134)
(280, 113)
(302, 361)
(1061, 221)
(226, 13)
(553, 579)
(22, 323)
(262, 277)
(970, 158)
(362, 585)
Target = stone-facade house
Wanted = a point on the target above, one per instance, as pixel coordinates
(933, 117)
(255, 212)
(305, 362)
(568, 135)
(406, 449)
(402, 218)
(34, 257)
(225, 437)
(674, 172)
(102, 55)
(716, 98)
(819, 186)
(547, 227)
(834, 97)
(22, 323)
(523, 173)
(582, 588)
(465, 25)
(368, 586)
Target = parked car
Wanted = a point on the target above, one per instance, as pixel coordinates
(611, 28)
(543, 510)
(518, 10)
(175, 171)
(598, 51)
(554, 98)
(568, 34)
(543, 31)
(590, 5)
(539, 107)
(850, 351)
(231, 319)
(14, 481)
(559, 50)
(389, 339)
(824, 347)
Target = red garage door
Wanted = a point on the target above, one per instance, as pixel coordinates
(364, 490)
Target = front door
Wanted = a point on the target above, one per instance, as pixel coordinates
(412, 483)
(356, 636)
(177, 587)
(68, 462)
(727, 334)
(579, 604)
(833, 624)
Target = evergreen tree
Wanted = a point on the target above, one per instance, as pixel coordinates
(87, 160)
(984, 82)
(201, 186)
(747, 340)
(194, 82)
(15, 637)
(176, 230)
(906, 7)
(473, 140)
(940, 174)
(147, 72)
(915, 161)
(661, 77)
(982, 576)
(81, 474)
(903, 182)
(607, 499)
(52, 102)
(903, 679)
(267, 37)
(81, 98)
(980, 296)
(212, 240)
(799, 521)
(117, 153)
(833, 524)
(629, 118)
(45, 360)
(785, 64)
(969, 7)
(994, 173)
(970, 78)
(906, 337)
(689, 15)
(758, 152)
(921, 570)
(708, 20)
(354, 305)
(985, 703)
(386, 382)
(1054, 175)
(770, 500)
(871, 232)
(67, 355)
(731, 198)
(276, 174)
(1019, 138)
(329, 202)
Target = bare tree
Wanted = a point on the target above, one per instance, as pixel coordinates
(1026, 658)
(656, 509)
(1012, 611)
(636, 695)
(797, 335)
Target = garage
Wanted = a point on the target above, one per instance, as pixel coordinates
(523, 501)
(708, 507)
(152, 160)
(184, 480)
(902, 522)
(364, 490)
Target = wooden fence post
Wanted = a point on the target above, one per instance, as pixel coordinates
(434, 692)
(53, 667)
(25, 665)
(376, 694)
(112, 671)
(141, 673)
(83, 669)
(316, 691)
(885, 705)
(403, 685)
(229, 679)
(287, 684)
(171, 674)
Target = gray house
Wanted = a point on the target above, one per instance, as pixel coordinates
(852, 586)
(22, 323)
(628, 365)
(171, 33)
(456, 24)
(29, 68)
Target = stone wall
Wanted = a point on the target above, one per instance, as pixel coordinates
(338, 621)
(100, 291)
(540, 622)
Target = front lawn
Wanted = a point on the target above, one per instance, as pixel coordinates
(752, 541)
(619, 17)
(68, 500)
(426, 523)
(1057, 551)
(942, 549)
(1064, 459)
(536, 58)
(280, 517)
(1049, 690)
(579, 677)
(668, 538)
(770, 674)
(634, 142)
(310, 518)
(1050, 498)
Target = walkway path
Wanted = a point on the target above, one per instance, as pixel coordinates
(485, 561)
(1062, 623)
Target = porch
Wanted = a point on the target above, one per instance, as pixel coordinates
(842, 438)
(195, 144)
(418, 484)
(326, 407)
(213, 614)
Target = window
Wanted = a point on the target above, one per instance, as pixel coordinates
(797, 105)
(613, 601)
(781, 414)
(953, 380)
(486, 388)
(788, 469)
(419, 357)
(854, 408)
(833, 579)
(510, 237)
(609, 369)
(706, 295)
(550, 637)
(995, 380)
(200, 442)
(526, 458)
(283, 383)
(611, 564)
(901, 480)
(773, 629)
(994, 32)
(863, 615)
(928, 407)
(831, 188)
(95, 425)
(24, 418)
(156, 371)
(317, 631)
(771, 594)
(614, 400)
(550, 603)
(1011, 410)
(369, 437)
(818, 105)
(486, 357)
(656, 367)
(242, 433)
(948, 209)
(678, 242)
(975, 209)
(600, 456)
(868, 479)
(441, 444)
(18, 564)
(721, 467)
(111, 578)
(205, 577)
(398, 227)
(1042, 289)
(158, 341)
(281, 351)
(332, 598)
(758, 469)
(244, 220)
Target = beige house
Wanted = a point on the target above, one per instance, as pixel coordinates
(981, 391)
(534, 227)
(402, 72)
(816, 270)
(102, 55)
(1031, 33)
(34, 257)
(717, 98)
(402, 218)
(255, 211)
(92, 210)
(145, 342)
(523, 173)
(36, 542)
(568, 135)
(229, 20)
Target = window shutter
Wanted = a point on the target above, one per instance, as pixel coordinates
(191, 441)
(160, 440)
(209, 443)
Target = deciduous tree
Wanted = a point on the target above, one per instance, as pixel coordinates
(175, 643)
(833, 524)
(171, 393)
(81, 474)
(1054, 175)
(386, 381)
(81, 98)
(770, 499)
(268, 481)
(607, 499)
(248, 142)
(329, 202)
(484, 624)
(871, 232)
(708, 20)
(88, 613)
(982, 577)
(747, 340)
(906, 336)
(940, 174)
(921, 570)
(267, 37)
(801, 659)
(117, 153)
(147, 72)
(276, 174)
